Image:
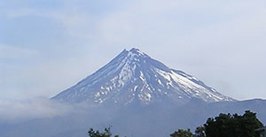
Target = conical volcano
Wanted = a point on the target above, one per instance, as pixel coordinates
(134, 77)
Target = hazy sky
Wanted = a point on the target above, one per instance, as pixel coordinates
(47, 46)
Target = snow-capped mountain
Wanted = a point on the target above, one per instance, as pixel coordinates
(134, 77)
(172, 99)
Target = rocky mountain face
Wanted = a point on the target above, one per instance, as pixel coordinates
(134, 77)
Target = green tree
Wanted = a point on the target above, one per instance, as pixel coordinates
(200, 132)
(227, 125)
(182, 133)
(105, 133)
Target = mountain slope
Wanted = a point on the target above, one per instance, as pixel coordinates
(134, 77)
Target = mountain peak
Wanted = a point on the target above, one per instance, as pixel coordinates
(131, 58)
(136, 51)
(133, 76)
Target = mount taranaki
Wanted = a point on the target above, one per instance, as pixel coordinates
(139, 97)
(134, 77)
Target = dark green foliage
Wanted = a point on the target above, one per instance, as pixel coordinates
(105, 133)
(227, 125)
(200, 132)
(182, 133)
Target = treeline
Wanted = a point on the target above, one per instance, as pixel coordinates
(224, 125)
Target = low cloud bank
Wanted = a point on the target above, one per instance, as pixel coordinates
(19, 110)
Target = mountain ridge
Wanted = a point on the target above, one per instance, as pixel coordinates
(133, 76)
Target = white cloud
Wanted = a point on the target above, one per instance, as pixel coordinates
(19, 110)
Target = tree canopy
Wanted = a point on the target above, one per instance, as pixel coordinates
(182, 133)
(227, 125)
(105, 133)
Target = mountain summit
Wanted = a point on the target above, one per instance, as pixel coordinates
(134, 77)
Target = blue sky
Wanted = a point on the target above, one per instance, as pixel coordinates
(48, 45)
